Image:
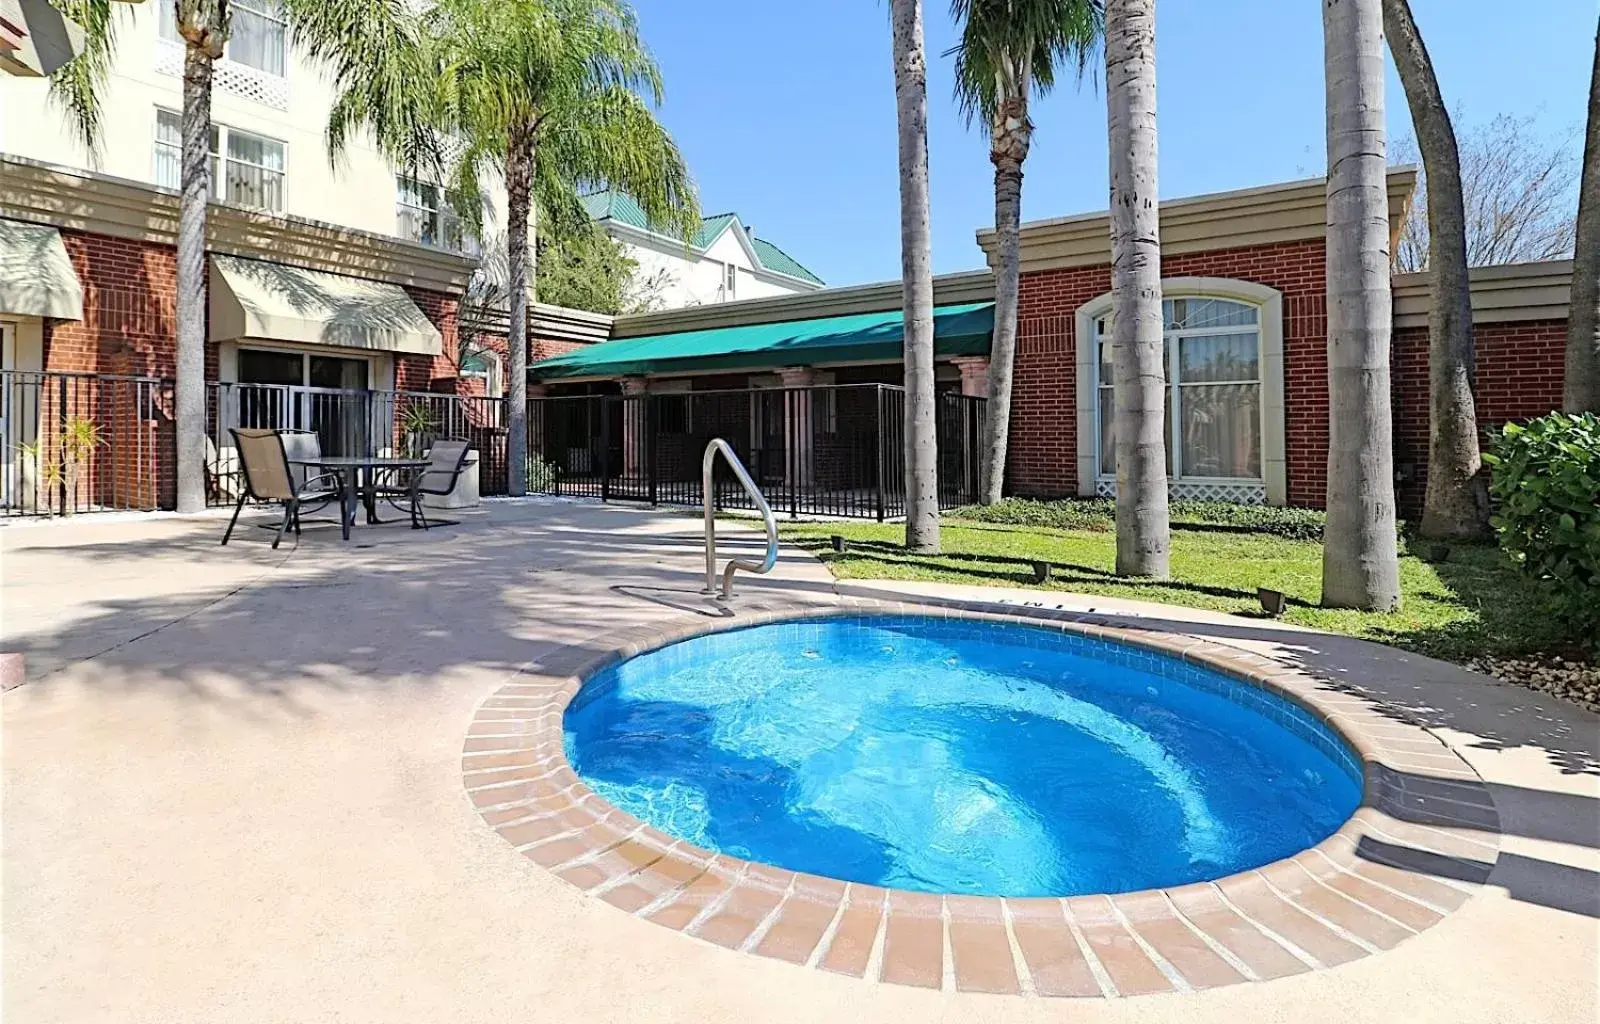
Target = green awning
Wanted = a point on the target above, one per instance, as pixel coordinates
(862, 337)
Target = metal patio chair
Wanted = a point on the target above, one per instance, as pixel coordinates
(269, 476)
(447, 456)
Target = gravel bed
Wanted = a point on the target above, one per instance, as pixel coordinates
(1569, 679)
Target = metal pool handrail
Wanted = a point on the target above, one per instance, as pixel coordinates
(707, 490)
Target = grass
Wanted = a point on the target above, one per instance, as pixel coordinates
(1470, 605)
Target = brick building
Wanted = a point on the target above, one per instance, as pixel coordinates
(333, 329)
(1244, 295)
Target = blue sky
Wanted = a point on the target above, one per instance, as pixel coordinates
(785, 110)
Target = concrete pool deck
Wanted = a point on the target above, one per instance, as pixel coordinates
(233, 791)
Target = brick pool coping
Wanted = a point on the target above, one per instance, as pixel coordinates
(1423, 841)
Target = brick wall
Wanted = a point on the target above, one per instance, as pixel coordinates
(1520, 367)
(1519, 371)
(1044, 427)
(129, 320)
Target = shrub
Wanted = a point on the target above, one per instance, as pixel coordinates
(1546, 487)
(541, 475)
(1101, 514)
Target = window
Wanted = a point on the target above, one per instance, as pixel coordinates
(257, 37)
(169, 151)
(483, 364)
(252, 174)
(427, 213)
(730, 282)
(1213, 414)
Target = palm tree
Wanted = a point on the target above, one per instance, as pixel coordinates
(1582, 391)
(351, 38)
(1360, 566)
(1457, 497)
(916, 268)
(1138, 347)
(1009, 49)
(555, 96)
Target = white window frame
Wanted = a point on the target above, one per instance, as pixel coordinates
(444, 209)
(1272, 485)
(493, 374)
(219, 161)
(167, 29)
(730, 282)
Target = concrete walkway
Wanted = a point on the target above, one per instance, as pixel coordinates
(233, 793)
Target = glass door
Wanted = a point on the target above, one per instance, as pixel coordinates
(342, 413)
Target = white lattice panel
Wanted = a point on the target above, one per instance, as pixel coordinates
(169, 57)
(1238, 492)
(239, 79)
(271, 90)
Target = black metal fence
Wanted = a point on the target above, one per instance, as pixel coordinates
(352, 422)
(814, 451)
(89, 442)
(82, 442)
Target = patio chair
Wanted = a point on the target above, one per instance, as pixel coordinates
(268, 476)
(446, 458)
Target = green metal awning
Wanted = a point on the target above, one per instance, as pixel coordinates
(859, 338)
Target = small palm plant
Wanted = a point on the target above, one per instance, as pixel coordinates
(63, 469)
(416, 423)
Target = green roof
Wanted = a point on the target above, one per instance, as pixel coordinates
(860, 337)
(624, 209)
(774, 258)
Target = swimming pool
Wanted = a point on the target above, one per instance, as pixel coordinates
(959, 756)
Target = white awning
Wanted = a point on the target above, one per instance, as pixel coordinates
(36, 277)
(35, 38)
(274, 302)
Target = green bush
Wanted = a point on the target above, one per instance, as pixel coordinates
(541, 477)
(1546, 487)
(1101, 514)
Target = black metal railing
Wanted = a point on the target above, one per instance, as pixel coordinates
(814, 451)
(83, 442)
(86, 442)
(352, 422)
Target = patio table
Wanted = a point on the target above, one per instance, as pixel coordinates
(358, 473)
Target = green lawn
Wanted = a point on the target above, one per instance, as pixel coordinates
(1470, 604)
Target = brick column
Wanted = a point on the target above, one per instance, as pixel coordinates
(634, 430)
(974, 375)
(797, 468)
(974, 384)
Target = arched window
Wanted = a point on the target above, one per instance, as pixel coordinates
(483, 364)
(1223, 359)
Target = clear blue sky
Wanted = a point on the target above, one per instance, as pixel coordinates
(785, 110)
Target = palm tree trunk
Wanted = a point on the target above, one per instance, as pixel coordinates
(1360, 567)
(1009, 139)
(1582, 392)
(519, 193)
(916, 264)
(1457, 500)
(190, 397)
(1138, 349)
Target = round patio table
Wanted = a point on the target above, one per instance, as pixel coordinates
(358, 474)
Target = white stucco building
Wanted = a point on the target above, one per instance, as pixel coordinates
(270, 109)
(725, 260)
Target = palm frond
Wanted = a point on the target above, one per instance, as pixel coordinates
(1016, 46)
(76, 86)
(376, 50)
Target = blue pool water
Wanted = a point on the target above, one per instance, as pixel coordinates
(959, 757)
